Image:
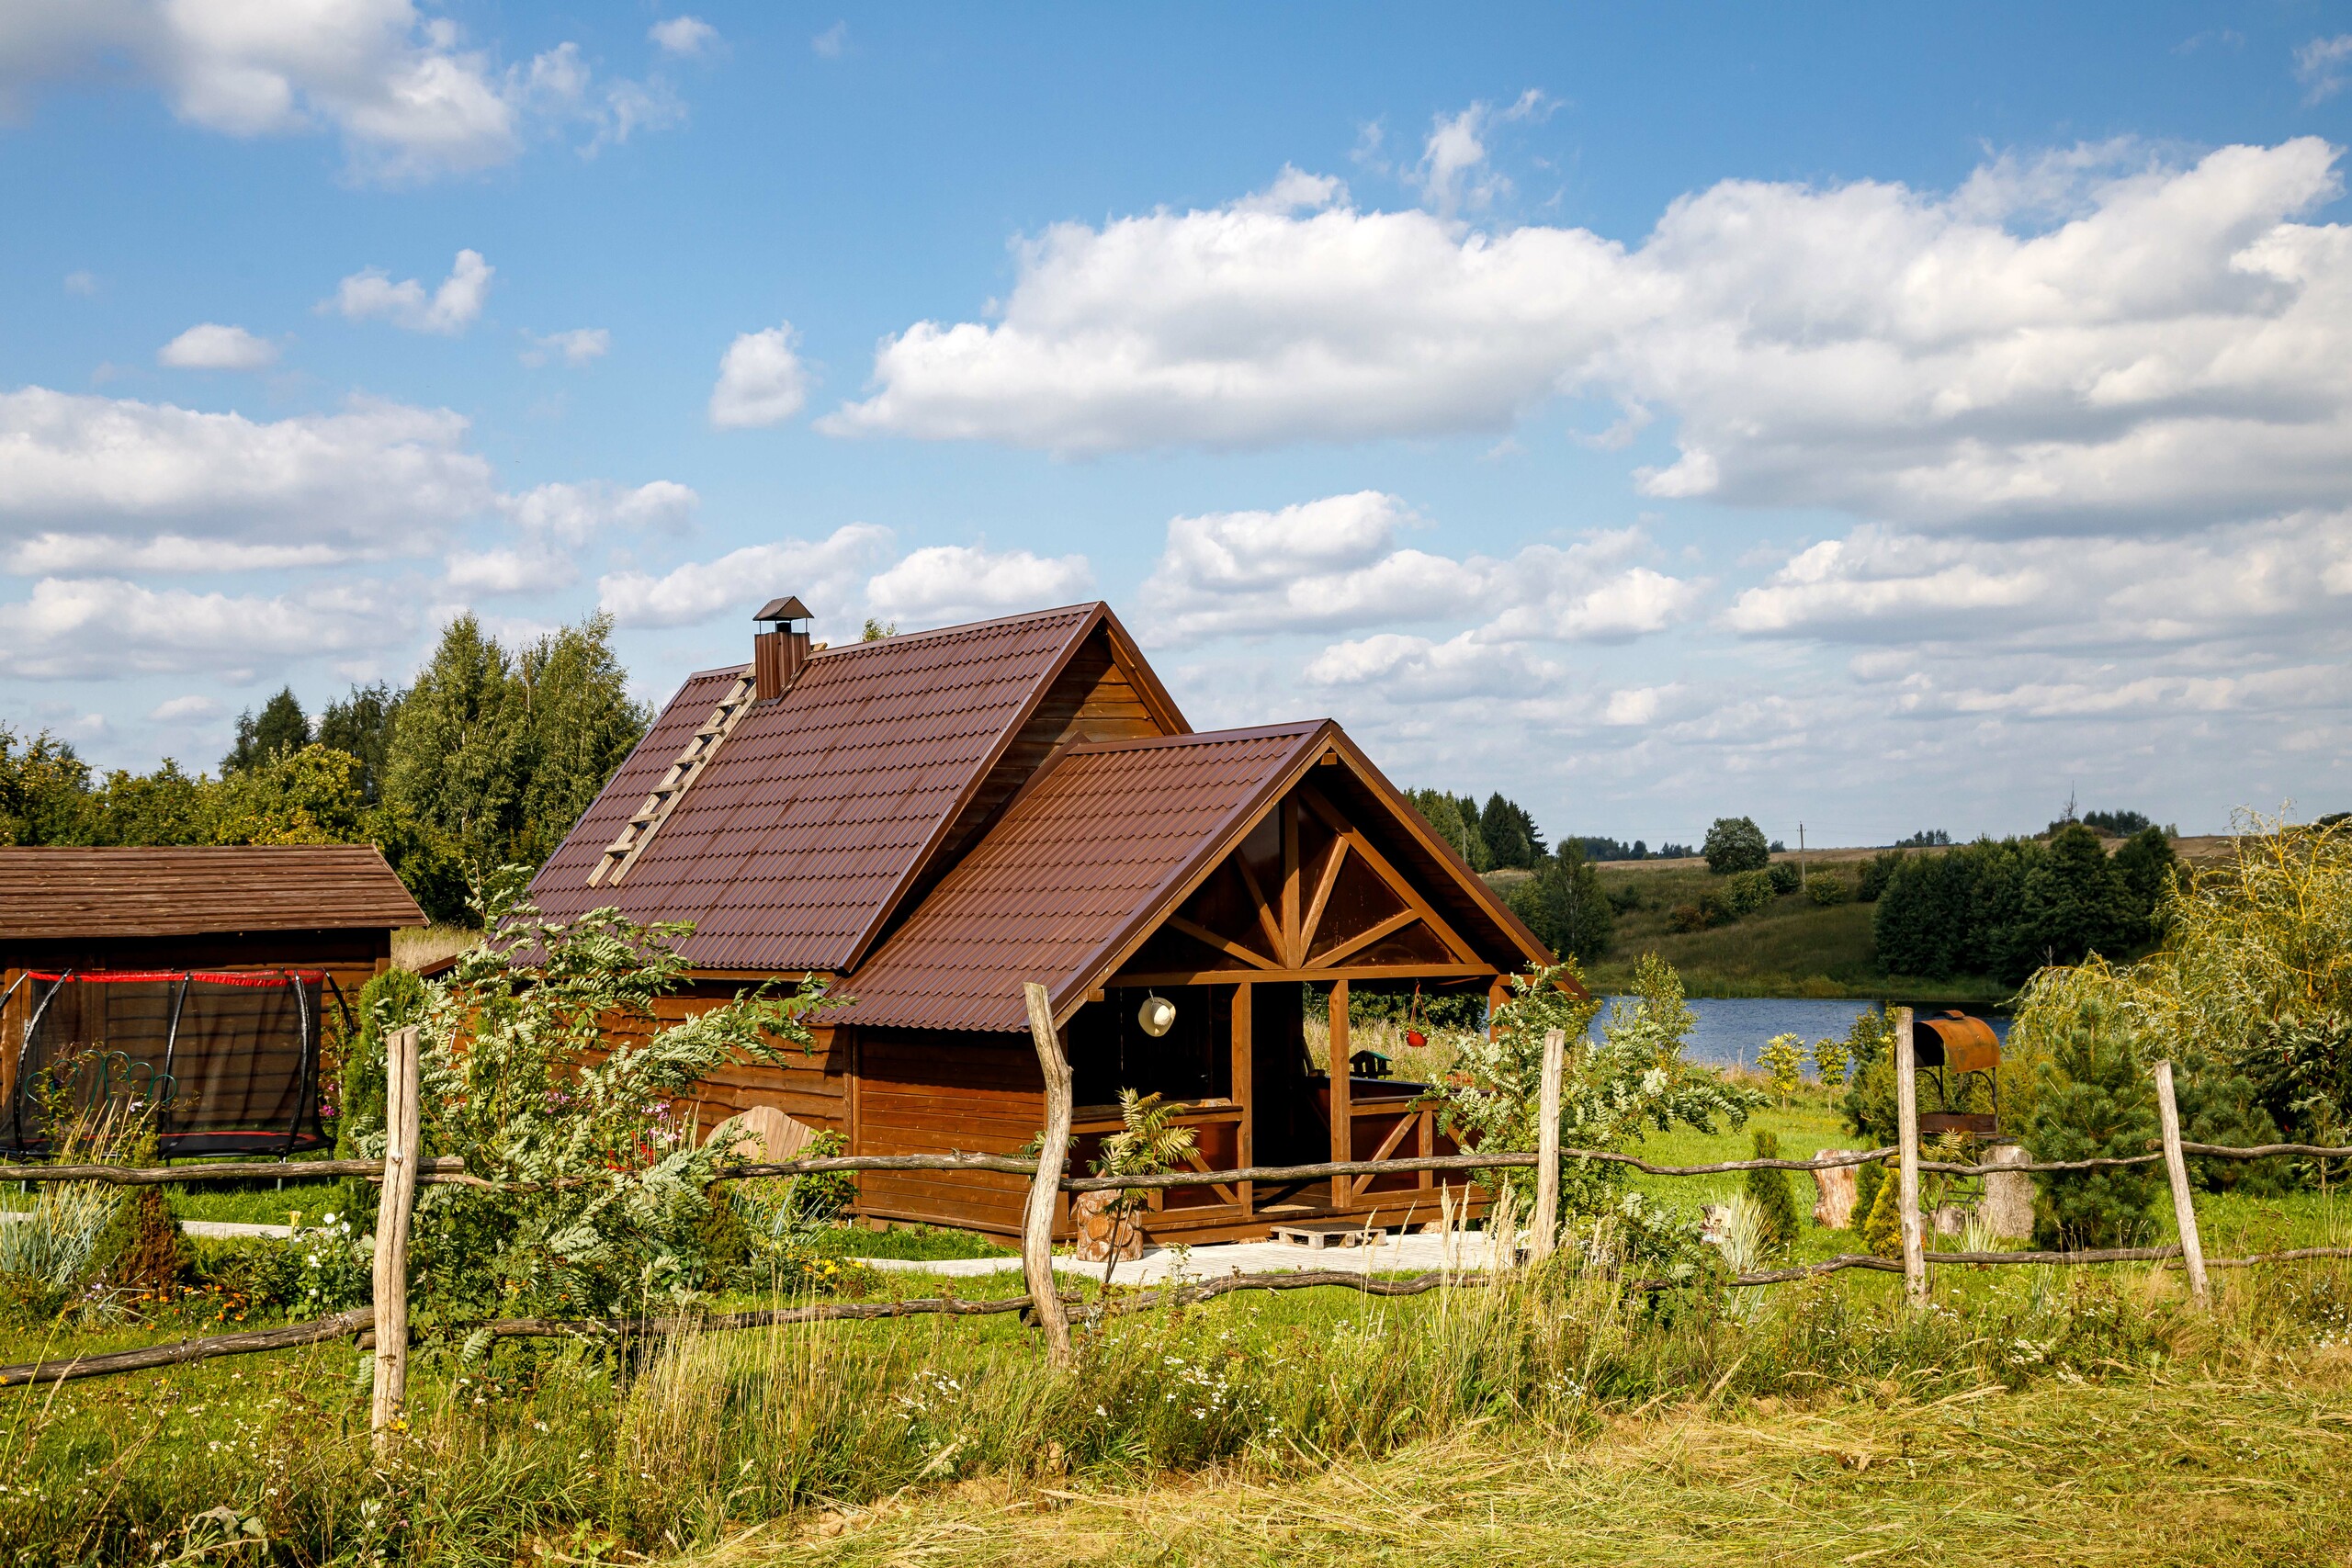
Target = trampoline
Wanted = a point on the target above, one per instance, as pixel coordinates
(225, 1061)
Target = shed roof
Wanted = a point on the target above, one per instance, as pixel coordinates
(1099, 839)
(822, 808)
(48, 894)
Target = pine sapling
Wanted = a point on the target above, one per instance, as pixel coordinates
(1774, 1197)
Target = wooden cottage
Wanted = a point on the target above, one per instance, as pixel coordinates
(936, 818)
(223, 967)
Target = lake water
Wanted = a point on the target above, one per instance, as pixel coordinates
(1732, 1030)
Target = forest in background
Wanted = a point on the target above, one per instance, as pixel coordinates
(487, 761)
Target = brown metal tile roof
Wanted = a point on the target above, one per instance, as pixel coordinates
(1100, 841)
(820, 809)
(47, 894)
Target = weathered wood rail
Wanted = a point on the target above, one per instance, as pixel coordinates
(383, 1328)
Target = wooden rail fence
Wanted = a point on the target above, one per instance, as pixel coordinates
(384, 1327)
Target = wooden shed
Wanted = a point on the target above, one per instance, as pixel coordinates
(107, 946)
(936, 818)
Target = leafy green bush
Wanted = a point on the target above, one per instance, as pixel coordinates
(1785, 875)
(1734, 844)
(1783, 1060)
(1827, 887)
(1875, 873)
(1882, 1227)
(1746, 892)
(605, 1205)
(1634, 1077)
(1774, 1195)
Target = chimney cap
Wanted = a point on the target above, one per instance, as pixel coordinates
(788, 608)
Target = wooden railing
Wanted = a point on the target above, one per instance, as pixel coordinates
(386, 1322)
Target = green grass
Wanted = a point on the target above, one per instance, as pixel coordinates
(1792, 947)
(914, 1242)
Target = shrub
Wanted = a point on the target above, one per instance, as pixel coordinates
(1882, 1231)
(1826, 887)
(1782, 1059)
(1785, 875)
(1868, 1180)
(1687, 917)
(1876, 871)
(1633, 1077)
(1746, 892)
(1774, 1195)
(2094, 1101)
(1736, 843)
(1830, 1060)
(525, 1076)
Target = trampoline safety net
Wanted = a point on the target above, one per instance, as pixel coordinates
(224, 1062)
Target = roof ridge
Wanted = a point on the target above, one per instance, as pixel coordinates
(1082, 608)
(1198, 737)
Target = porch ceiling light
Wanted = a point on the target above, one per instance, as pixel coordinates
(1157, 1016)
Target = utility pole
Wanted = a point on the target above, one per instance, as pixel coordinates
(1800, 857)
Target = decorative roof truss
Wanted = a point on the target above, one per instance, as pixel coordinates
(1305, 891)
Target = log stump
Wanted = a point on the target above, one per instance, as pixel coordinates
(1833, 1205)
(1101, 1233)
(2008, 1209)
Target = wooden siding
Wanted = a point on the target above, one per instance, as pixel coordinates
(922, 1093)
(811, 1087)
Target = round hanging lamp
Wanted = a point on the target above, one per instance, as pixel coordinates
(1157, 1016)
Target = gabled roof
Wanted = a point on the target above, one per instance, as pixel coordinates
(1104, 844)
(821, 809)
(52, 894)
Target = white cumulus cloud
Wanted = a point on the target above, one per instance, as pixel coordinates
(211, 346)
(377, 478)
(408, 97)
(825, 572)
(2061, 342)
(103, 628)
(760, 380)
(450, 309)
(578, 347)
(688, 36)
(943, 583)
(1337, 564)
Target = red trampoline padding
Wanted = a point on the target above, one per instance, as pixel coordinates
(233, 1053)
(277, 977)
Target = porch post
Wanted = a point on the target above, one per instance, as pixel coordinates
(1244, 1094)
(1343, 1107)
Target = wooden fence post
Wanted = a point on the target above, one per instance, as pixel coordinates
(403, 1143)
(1906, 1110)
(1547, 1149)
(2192, 1248)
(1044, 1187)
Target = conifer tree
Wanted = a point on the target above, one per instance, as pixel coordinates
(280, 727)
(1773, 1195)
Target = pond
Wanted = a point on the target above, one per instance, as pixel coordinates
(1732, 1030)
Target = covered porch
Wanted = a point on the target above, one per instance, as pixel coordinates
(1311, 882)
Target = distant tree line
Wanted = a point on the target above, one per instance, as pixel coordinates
(1603, 850)
(1561, 902)
(487, 761)
(2005, 908)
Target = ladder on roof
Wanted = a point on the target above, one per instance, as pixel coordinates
(622, 852)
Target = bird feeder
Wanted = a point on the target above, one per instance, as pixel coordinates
(1956, 1048)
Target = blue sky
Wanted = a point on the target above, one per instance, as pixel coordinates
(1882, 419)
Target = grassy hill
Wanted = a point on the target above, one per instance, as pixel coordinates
(1792, 947)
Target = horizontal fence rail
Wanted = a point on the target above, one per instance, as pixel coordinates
(383, 1328)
